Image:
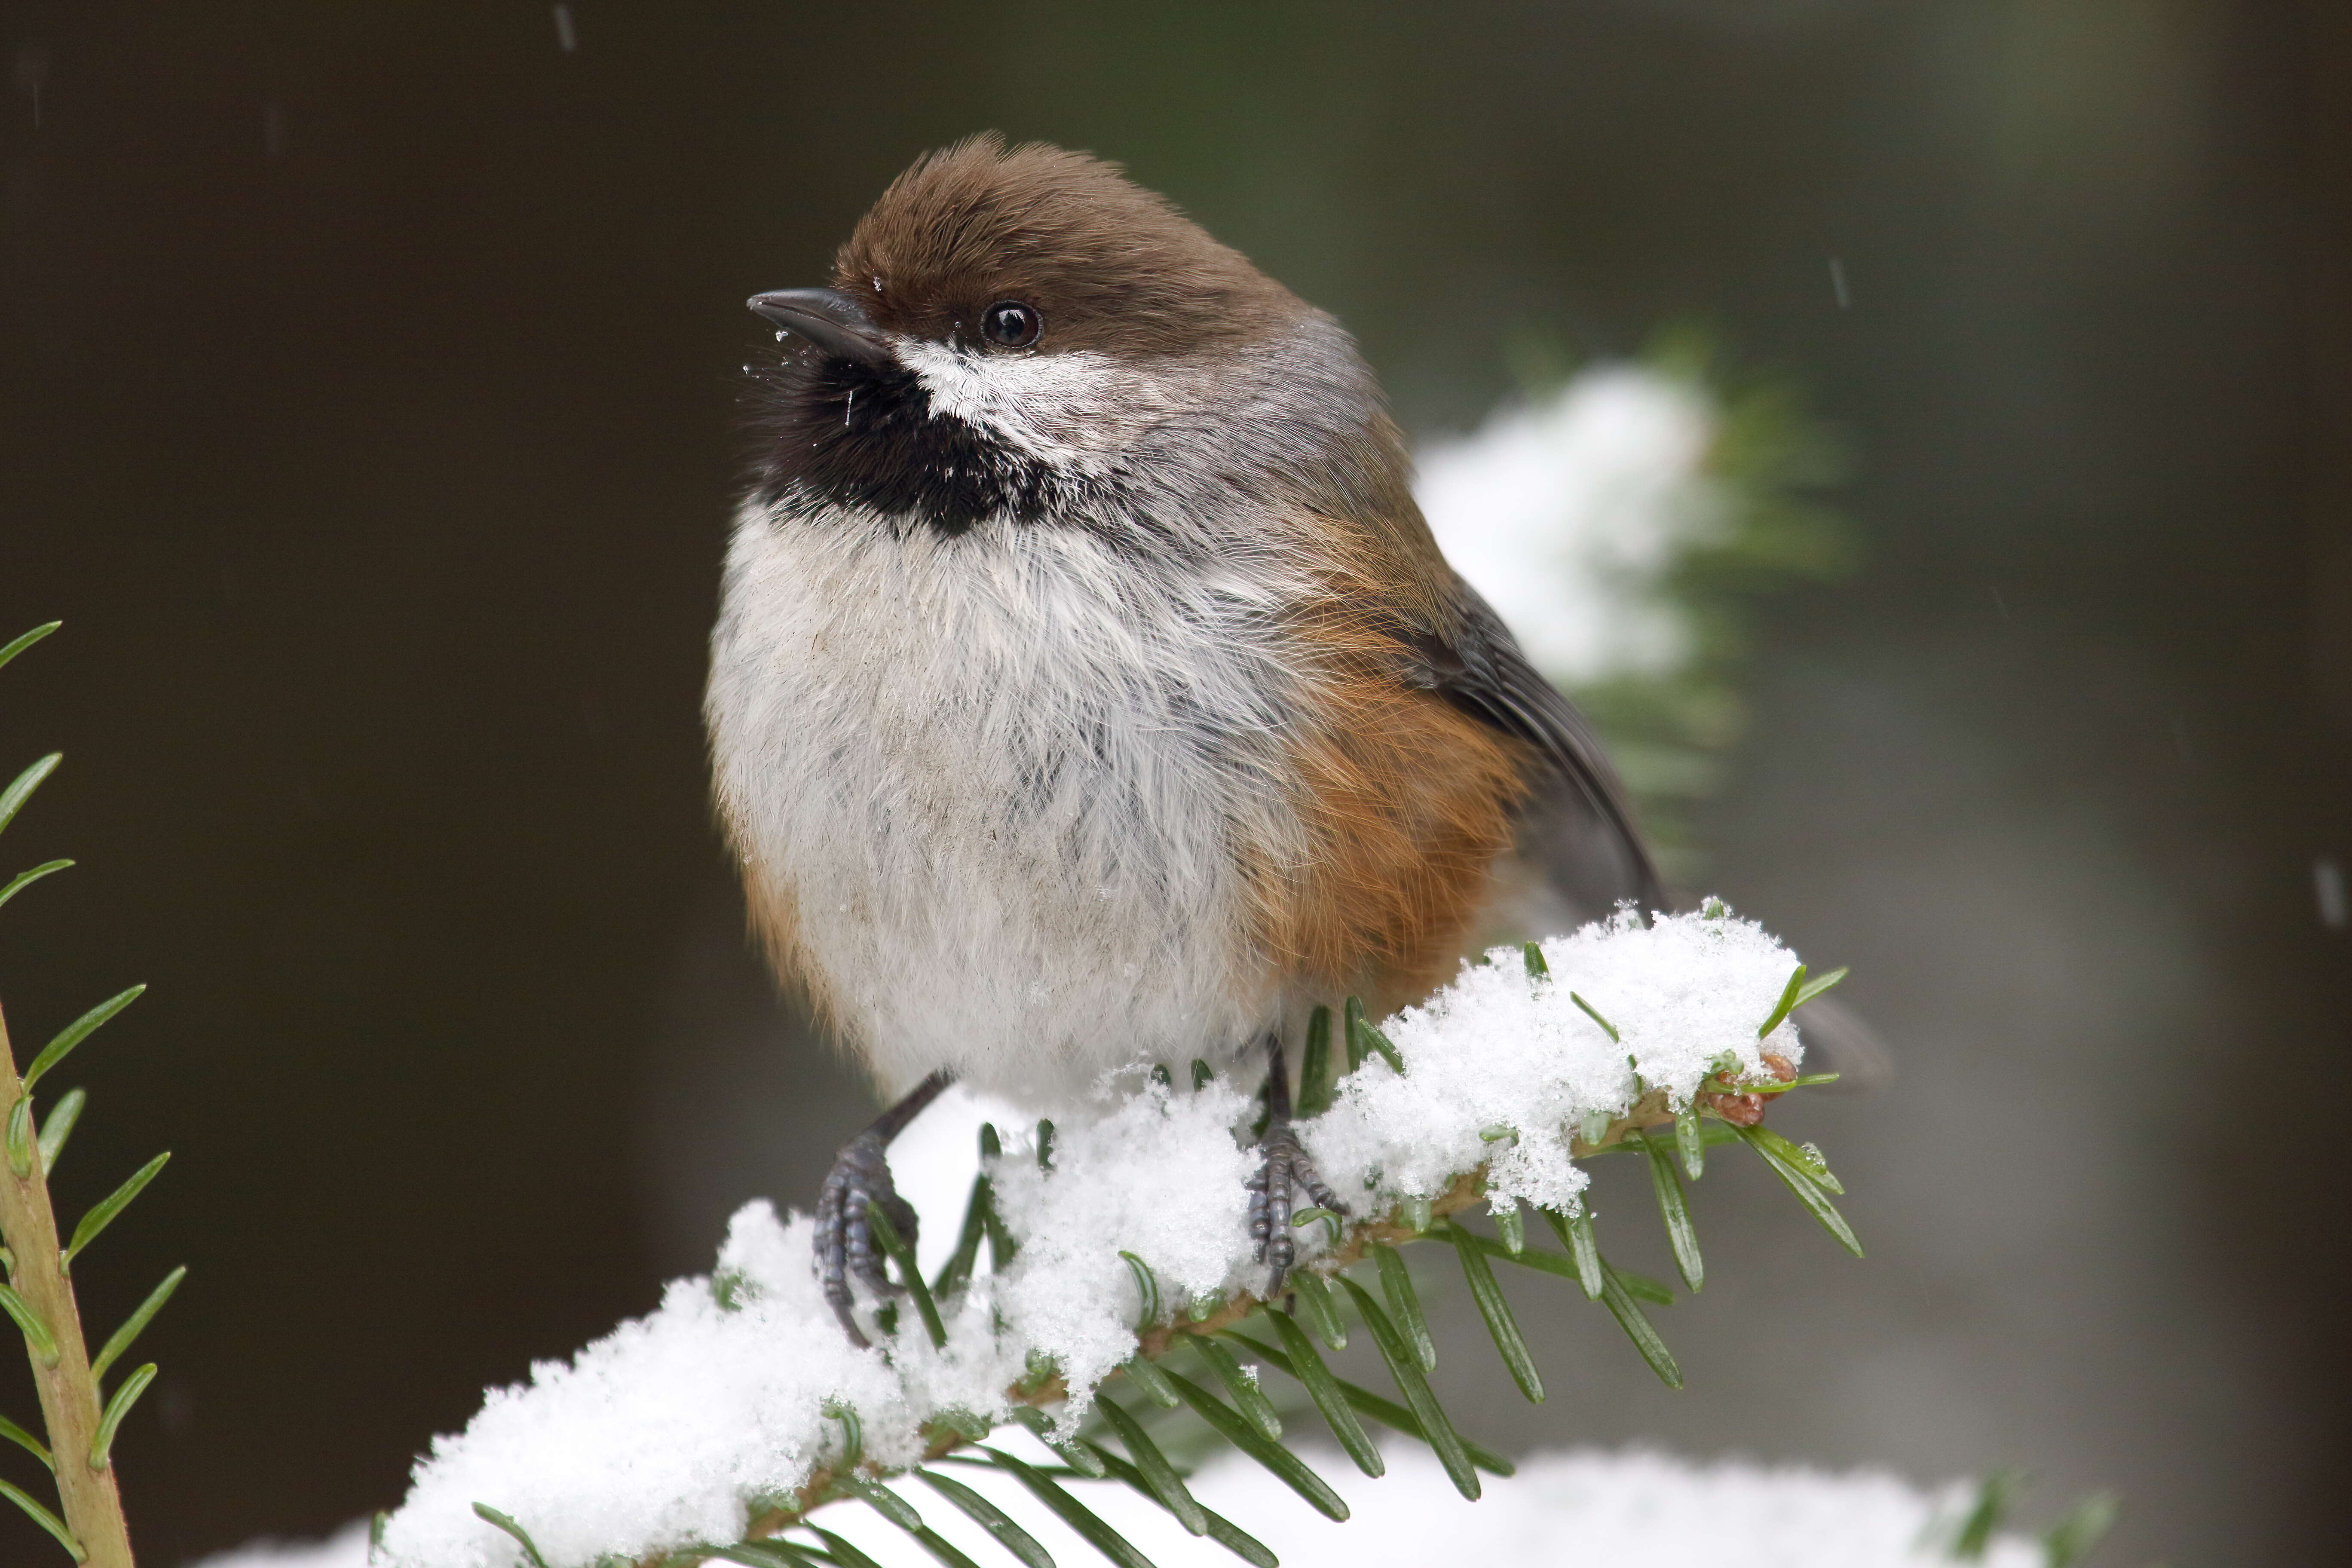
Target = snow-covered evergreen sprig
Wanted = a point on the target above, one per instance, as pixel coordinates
(1112, 1334)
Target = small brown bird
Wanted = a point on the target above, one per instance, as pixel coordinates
(1087, 691)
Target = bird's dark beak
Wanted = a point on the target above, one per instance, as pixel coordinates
(831, 321)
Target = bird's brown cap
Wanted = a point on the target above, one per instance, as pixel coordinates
(1110, 266)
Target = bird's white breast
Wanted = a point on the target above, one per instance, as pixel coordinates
(1009, 783)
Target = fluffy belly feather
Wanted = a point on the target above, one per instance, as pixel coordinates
(1000, 796)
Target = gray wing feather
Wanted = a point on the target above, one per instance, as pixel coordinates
(1482, 672)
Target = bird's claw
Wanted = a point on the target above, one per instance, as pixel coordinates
(845, 1246)
(1285, 1164)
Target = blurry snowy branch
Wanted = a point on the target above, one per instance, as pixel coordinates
(1623, 520)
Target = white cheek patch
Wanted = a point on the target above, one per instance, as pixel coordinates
(1055, 407)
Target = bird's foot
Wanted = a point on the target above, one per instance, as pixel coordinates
(1283, 1164)
(845, 1246)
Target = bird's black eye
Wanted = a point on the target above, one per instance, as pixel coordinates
(1010, 324)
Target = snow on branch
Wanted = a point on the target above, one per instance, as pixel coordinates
(1570, 511)
(1639, 1506)
(737, 1406)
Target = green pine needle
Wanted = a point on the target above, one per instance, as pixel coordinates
(137, 1323)
(19, 1137)
(1607, 1028)
(958, 1421)
(38, 1338)
(2070, 1540)
(27, 1441)
(1619, 1289)
(1804, 1080)
(489, 1515)
(853, 1433)
(1305, 1364)
(763, 1554)
(1222, 1531)
(1396, 1284)
(1247, 1396)
(77, 1031)
(1673, 1207)
(27, 640)
(1069, 1510)
(881, 1500)
(1637, 1328)
(911, 1274)
(1001, 1245)
(1786, 1005)
(1536, 1258)
(102, 1444)
(59, 1126)
(1151, 1380)
(102, 1214)
(949, 1557)
(1497, 1312)
(1991, 1507)
(1813, 988)
(23, 880)
(842, 1552)
(1575, 1233)
(1077, 1456)
(1313, 1294)
(1152, 1462)
(1404, 1368)
(1386, 1411)
(990, 1518)
(1803, 1156)
(1350, 1031)
(1690, 1141)
(956, 1272)
(1641, 1288)
(1316, 1082)
(13, 798)
(1363, 1040)
(1146, 1290)
(1284, 1466)
(1808, 1190)
(939, 1548)
(47, 1520)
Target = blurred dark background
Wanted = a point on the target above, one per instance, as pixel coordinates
(367, 381)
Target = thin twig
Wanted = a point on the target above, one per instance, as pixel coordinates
(70, 1403)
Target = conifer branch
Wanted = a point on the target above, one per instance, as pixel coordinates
(853, 1476)
(81, 1423)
